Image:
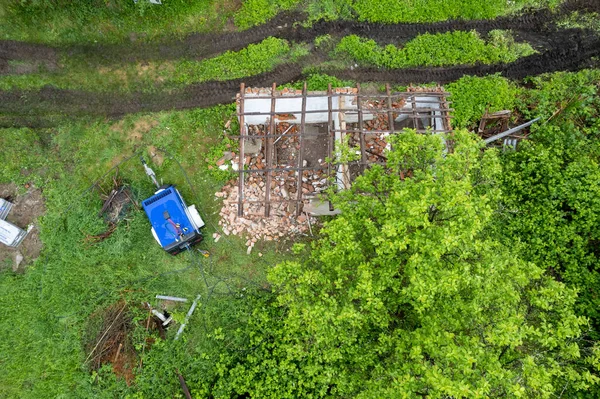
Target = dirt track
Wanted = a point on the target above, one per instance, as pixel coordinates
(568, 49)
(286, 25)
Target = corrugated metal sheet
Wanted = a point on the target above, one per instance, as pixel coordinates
(5, 207)
(10, 234)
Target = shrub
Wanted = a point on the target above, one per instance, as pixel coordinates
(471, 95)
(252, 60)
(440, 49)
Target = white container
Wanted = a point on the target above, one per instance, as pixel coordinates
(5, 207)
(10, 234)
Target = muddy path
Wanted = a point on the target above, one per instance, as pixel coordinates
(532, 25)
(573, 51)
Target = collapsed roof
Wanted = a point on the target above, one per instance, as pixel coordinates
(289, 141)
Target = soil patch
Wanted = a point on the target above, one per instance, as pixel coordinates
(28, 207)
(107, 341)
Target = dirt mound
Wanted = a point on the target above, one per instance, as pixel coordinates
(28, 207)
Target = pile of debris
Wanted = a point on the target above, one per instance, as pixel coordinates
(19, 213)
(282, 220)
(108, 341)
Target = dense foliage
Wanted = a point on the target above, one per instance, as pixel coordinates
(407, 294)
(440, 49)
(254, 12)
(552, 186)
(472, 95)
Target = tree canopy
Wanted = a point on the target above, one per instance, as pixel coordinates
(407, 294)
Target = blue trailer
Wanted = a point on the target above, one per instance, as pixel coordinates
(175, 225)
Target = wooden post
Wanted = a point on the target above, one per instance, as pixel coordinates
(361, 132)
(184, 386)
(390, 109)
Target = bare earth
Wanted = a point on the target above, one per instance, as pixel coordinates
(28, 207)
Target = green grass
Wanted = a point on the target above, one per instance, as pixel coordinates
(254, 59)
(42, 351)
(392, 11)
(256, 12)
(109, 21)
(112, 21)
(581, 20)
(440, 49)
(80, 73)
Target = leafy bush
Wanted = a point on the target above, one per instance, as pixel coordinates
(255, 12)
(471, 95)
(252, 60)
(440, 49)
(394, 11)
(551, 185)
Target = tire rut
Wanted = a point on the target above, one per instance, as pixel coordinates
(40, 108)
(285, 26)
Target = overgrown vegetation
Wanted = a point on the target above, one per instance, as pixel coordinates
(77, 73)
(409, 283)
(460, 273)
(471, 96)
(74, 278)
(67, 22)
(440, 49)
(255, 12)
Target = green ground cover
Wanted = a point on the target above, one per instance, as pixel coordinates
(80, 73)
(440, 49)
(42, 351)
(255, 12)
(112, 21)
(73, 279)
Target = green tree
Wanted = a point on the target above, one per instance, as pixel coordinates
(551, 186)
(407, 294)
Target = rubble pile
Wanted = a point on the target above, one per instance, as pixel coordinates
(283, 218)
(254, 225)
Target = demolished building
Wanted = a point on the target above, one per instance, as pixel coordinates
(290, 146)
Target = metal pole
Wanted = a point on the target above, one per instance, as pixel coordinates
(510, 131)
(187, 317)
(241, 155)
(301, 155)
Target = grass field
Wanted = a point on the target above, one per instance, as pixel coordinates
(72, 278)
(50, 307)
(113, 21)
